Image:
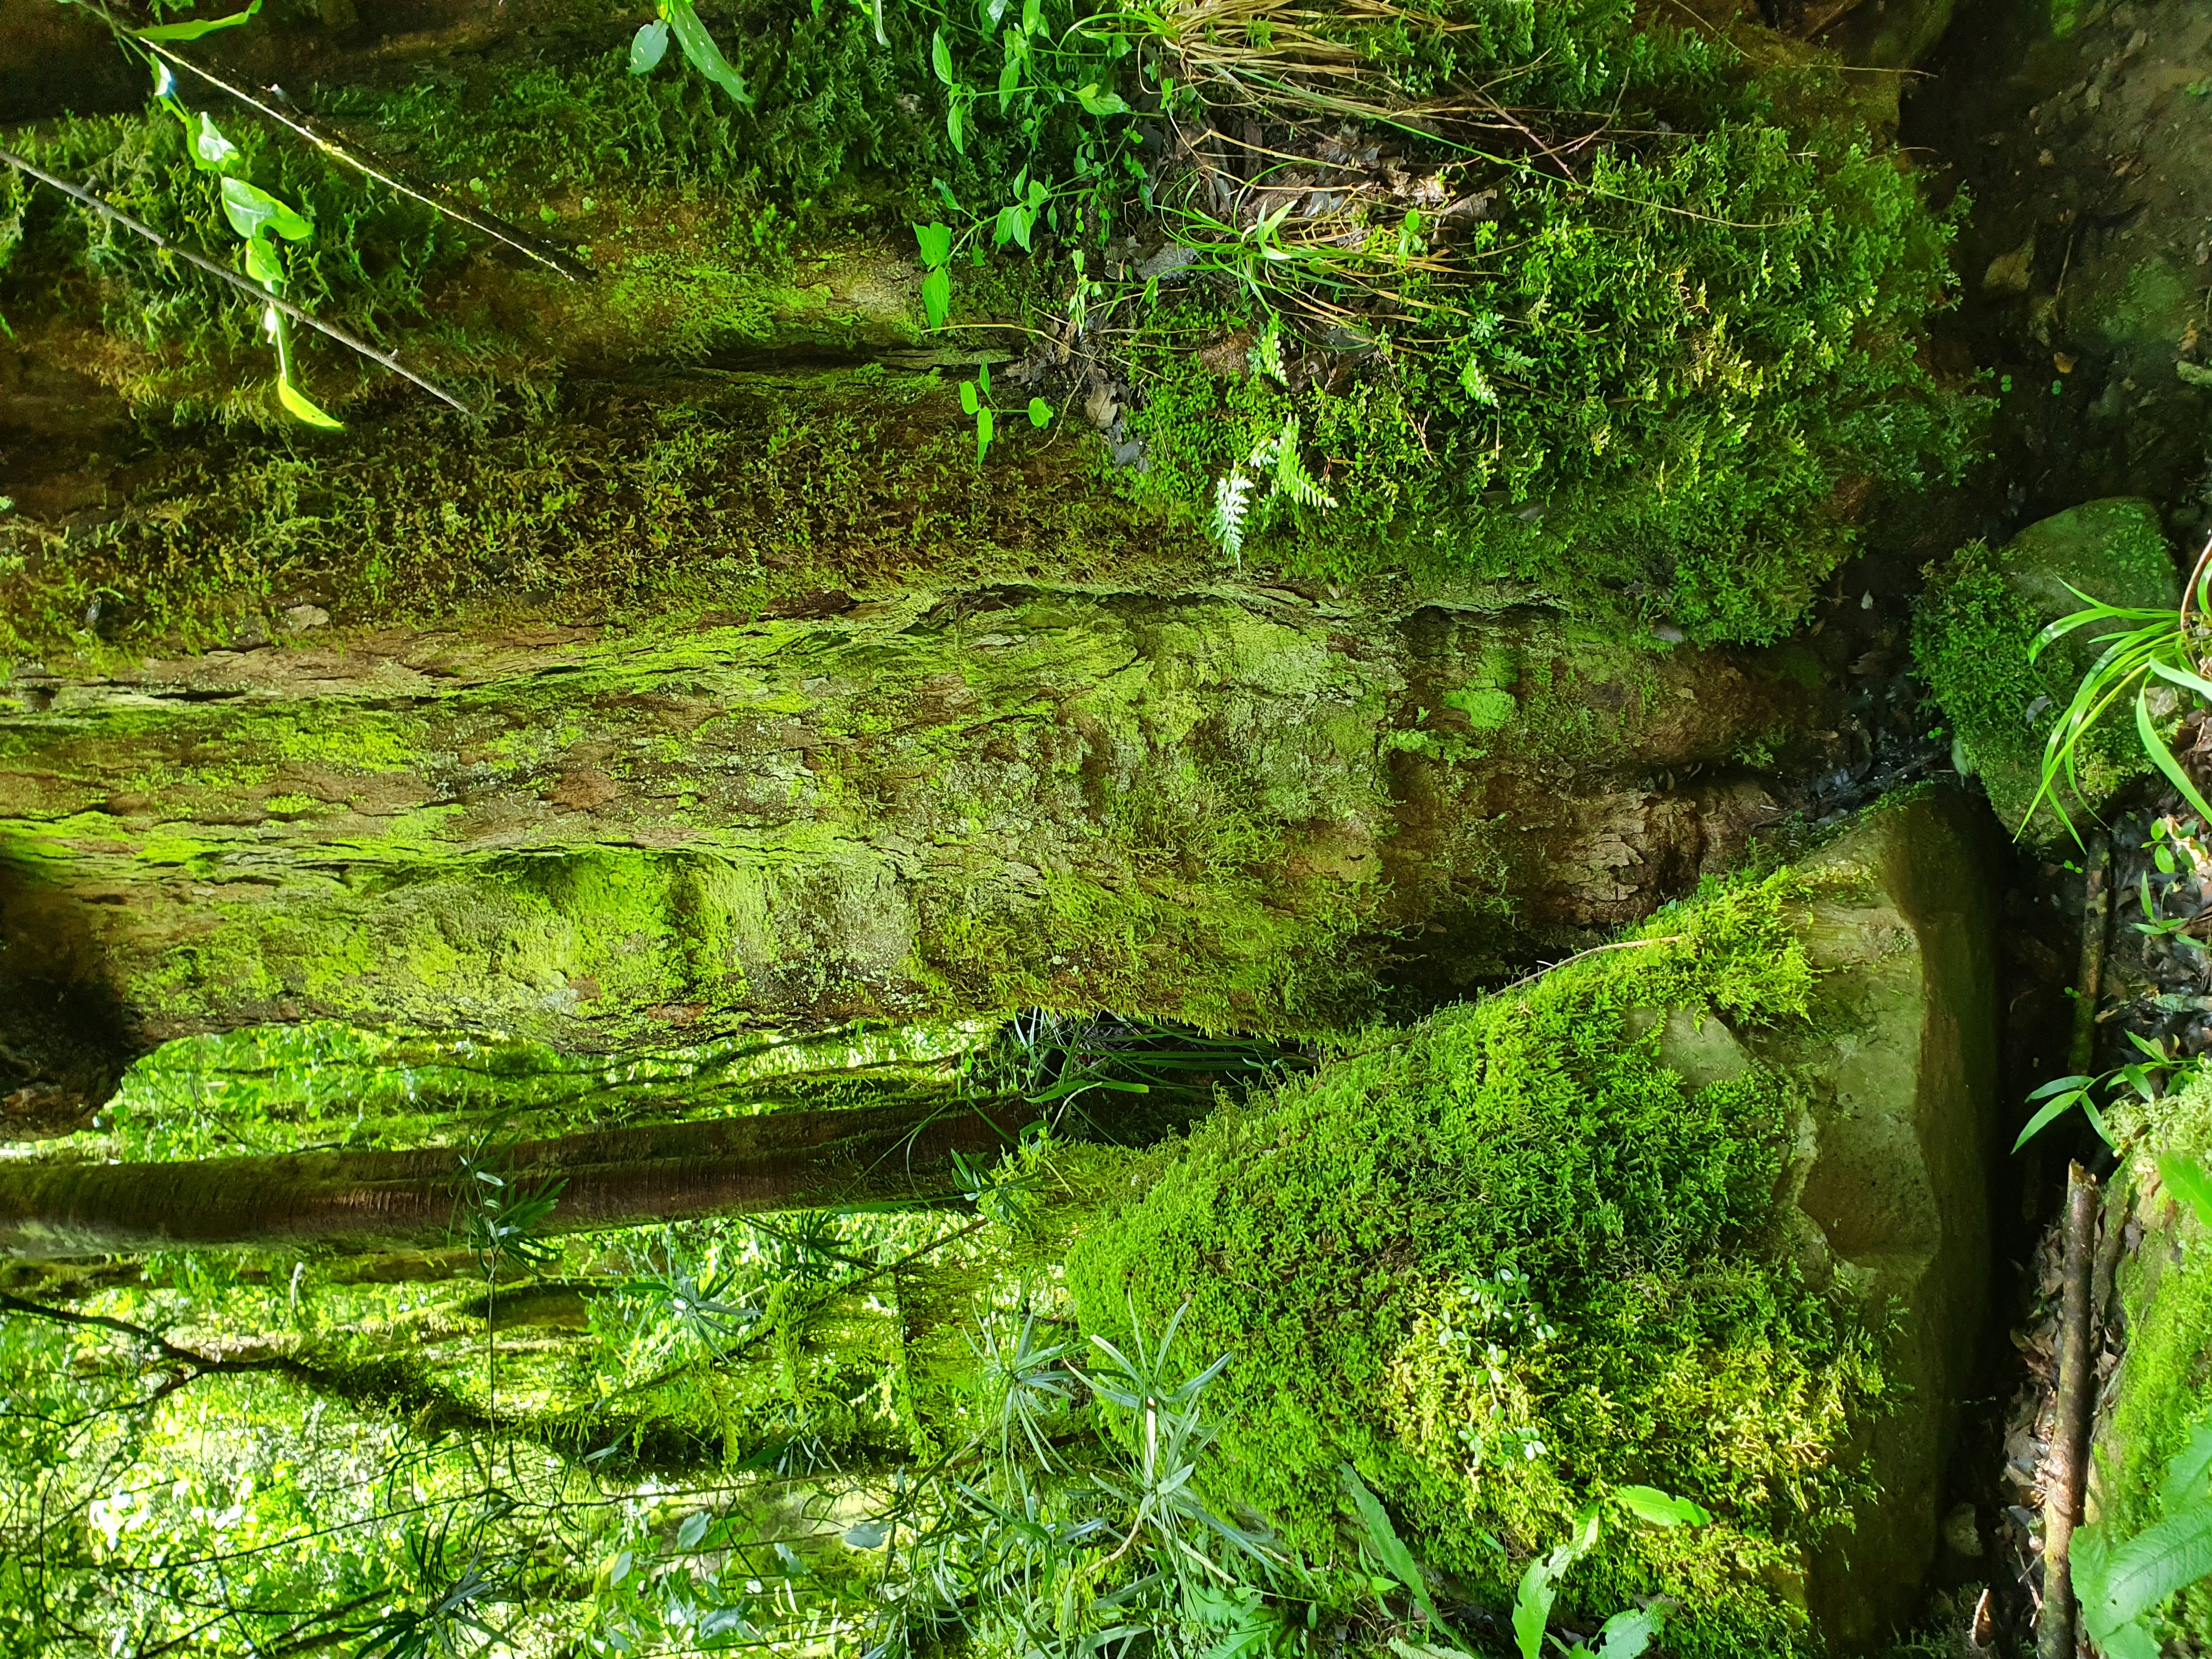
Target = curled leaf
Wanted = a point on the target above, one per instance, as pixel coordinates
(304, 409)
(252, 209)
(193, 29)
(648, 47)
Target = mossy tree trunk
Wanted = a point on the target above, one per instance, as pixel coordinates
(375, 1200)
(923, 793)
(713, 682)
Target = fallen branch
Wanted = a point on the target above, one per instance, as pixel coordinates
(369, 165)
(223, 274)
(2096, 924)
(2064, 1463)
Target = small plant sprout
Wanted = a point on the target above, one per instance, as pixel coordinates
(975, 401)
(1276, 463)
(935, 241)
(2143, 1079)
(266, 223)
(680, 19)
(2141, 646)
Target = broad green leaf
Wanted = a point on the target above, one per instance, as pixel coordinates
(2185, 1178)
(1100, 102)
(262, 264)
(210, 149)
(1532, 1606)
(982, 433)
(1391, 1551)
(1628, 1633)
(196, 27)
(983, 378)
(648, 47)
(936, 243)
(2187, 1472)
(701, 52)
(2139, 1574)
(1532, 1603)
(2162, 757)
(252, 209)
(1040, 412)
(866, 1534)
(1009, 221)
(618, 1569)
(953, 128)
(968, 404)
(2058, 1086)
(2050, 1114)
(693, 1529)
(1024, 219)
(1661, 1509)
(940, 57)
(1032, 16)
(936, 296)
(298, 402)
(1009, 78)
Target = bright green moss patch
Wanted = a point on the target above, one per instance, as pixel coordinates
(1661, 387)
(1507, 1261)
(2164, 1390)
(729, 499)
(1977, 621)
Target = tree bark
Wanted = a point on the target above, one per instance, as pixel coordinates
(384, 1201)
(1235, 809)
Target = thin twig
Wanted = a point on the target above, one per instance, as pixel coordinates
(1618, 945)
(244, 284)
(2096, 923)
(2063, 1465)
(369, 165)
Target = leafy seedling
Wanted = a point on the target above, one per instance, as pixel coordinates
(679, 20)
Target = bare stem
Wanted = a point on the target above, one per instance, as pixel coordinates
(244, 284)
(2062, 1467)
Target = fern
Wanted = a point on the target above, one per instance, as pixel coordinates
(1266, 357)
(1232, 500)
(1277, 460)
(1291, 477)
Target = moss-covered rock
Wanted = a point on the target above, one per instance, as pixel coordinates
(1235, 807)
(1705, 1213)
(2160, 1397)
(1979, 620)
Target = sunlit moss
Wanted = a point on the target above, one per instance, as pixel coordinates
(1507, 1261)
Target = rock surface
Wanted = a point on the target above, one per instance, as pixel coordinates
(1890, 1182)
(1979, 621)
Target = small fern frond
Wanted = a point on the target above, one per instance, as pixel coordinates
(1232, 500)
(1476, 384)
(1291, 477)
(1266, 356)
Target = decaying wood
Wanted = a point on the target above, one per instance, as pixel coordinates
(2063, 1464)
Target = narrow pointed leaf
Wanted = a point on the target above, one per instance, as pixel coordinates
(193, 29)
(648, 47)
(298, 402)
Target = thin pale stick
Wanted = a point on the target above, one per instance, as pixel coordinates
(362, 162)
(245, 285)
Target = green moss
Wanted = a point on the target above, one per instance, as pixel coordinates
(1645, 393)
(762, 489)
(1506, 1261)
(1977, 621)
(2164, 1389)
